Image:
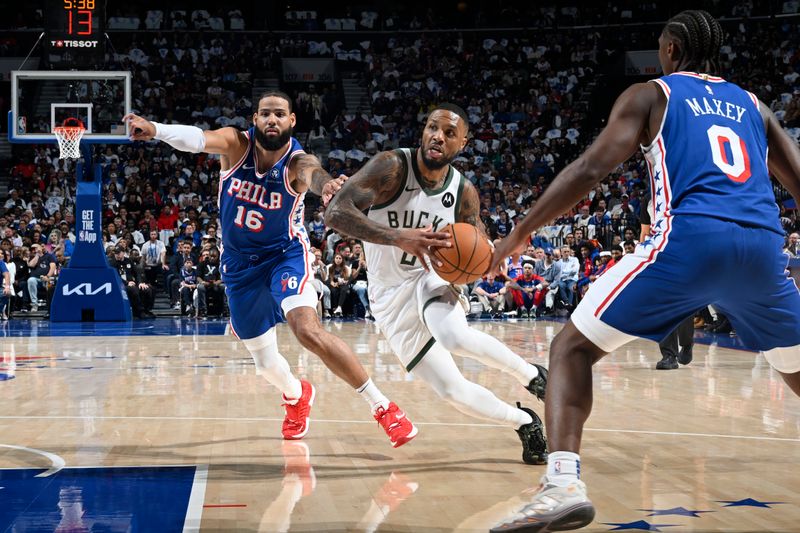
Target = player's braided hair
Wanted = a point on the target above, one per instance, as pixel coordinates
(700, 37)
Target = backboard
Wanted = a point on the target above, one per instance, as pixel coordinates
(41, 100)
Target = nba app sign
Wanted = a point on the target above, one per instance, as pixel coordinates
(88, 231)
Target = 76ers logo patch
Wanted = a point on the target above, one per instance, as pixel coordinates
(273, 175)
(288, 281)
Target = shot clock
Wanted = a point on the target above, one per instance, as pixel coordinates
(75, 35)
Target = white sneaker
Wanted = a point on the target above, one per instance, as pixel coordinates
(337, 312)
(368, 316)
(552, 508)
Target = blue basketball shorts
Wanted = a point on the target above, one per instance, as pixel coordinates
(692, 262)
(262, 288)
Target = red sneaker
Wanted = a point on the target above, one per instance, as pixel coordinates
(295, 423)
(297, 465)
(396, 424)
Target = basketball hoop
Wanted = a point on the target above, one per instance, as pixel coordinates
(69, 138)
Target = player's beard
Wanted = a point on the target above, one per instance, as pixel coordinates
(433, 164)
(273, 143)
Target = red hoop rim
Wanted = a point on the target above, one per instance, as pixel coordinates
(77, 125)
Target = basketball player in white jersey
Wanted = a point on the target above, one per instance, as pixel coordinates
(267, 260)
(407, 193)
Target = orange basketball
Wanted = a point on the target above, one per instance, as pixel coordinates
(467, 259)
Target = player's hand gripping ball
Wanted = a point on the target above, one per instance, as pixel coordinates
(467, 259)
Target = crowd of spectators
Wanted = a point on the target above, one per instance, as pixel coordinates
(208, 15)
(526, 97)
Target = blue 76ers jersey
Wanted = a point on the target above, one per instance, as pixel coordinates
(710, 157)
(260, 213)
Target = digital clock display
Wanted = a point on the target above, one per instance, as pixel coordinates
(75, 33)
(80, 16)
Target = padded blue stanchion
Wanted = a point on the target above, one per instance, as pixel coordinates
(88, 289)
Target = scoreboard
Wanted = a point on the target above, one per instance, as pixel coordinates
(75, 33)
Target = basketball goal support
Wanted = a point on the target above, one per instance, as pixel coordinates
(88, 289)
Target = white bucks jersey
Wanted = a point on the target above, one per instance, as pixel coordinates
(412, 206)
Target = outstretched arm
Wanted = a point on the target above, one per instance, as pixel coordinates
(616, 143)
(377, 182)
(229, 142)
(784, 156)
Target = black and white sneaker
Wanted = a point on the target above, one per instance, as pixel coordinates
(534, 444)
(538, 384)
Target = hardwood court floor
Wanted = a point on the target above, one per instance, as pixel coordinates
(658, 446)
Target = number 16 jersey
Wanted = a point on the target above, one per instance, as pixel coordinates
(710, 156)
(260, 214)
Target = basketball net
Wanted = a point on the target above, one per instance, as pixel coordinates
(69, 138)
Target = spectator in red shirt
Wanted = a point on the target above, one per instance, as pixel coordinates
(528, 291)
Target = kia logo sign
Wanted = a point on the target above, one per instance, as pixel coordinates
(85, 289)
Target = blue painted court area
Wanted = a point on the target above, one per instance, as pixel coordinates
(150, 327)
(152, 498)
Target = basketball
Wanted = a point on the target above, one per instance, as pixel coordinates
(467, 259)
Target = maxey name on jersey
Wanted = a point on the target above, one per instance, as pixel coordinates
(716, 107)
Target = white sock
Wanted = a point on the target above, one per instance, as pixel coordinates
(273, 366)
(373, 395)
(528, 418)
(563, 468)
(448, 325)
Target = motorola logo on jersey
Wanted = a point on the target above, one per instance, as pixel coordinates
(448, 200)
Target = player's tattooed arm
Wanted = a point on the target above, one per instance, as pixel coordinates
(375, 183)
(470, 209)
(378, 182)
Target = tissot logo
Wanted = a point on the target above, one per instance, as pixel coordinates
(73, 44)
(86, 289)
